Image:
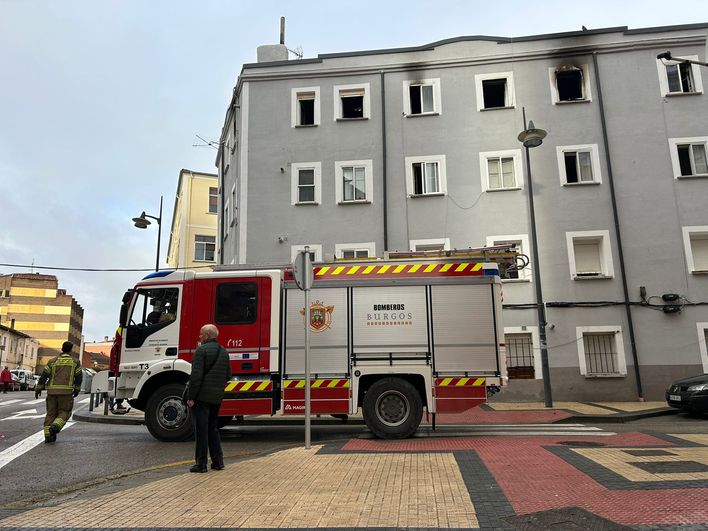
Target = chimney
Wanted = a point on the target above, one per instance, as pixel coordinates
(105, 339)
(274, 52)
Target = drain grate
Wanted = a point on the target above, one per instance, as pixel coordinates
(583, 444)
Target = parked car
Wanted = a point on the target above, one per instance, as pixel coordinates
(689, 394)
(26, 379)
(15, 385)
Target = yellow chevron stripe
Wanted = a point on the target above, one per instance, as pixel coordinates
(323, 270)
(333, 383)
(383, 269)
(444, 268)
(430, 268)
(399, 269)
(446, 382)
(246, 386)
(338, 270)
(477, 267)
(461, 267)
(353, 270)
(368, 270)
(479, 381)
(300, 384)
(462, 382)
(230, 386)
(414, 268)
(317, 383)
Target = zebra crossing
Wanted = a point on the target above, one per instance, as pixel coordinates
(13, 409)
(515, 430)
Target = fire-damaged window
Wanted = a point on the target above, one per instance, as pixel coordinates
(236, 303)
(421, 97)
(494, 90)
(569, 83)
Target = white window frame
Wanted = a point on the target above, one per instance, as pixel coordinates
(661, 65)
(209, 196)
(430, 241)
(702, 327)
(339, 89)
(594, 161)
(295, 175)
(509, 93)
(227, 214)
(522, 241)
(204, 243)
(535, 342)
(442, 178)
(673, 149)
(603, 236)
(437, 106)
(697, 230)
(368, 166)
(339, 248)
(314, 248)
(295, 107)
(555, 97)
(619, 345)
(484, 156)
(234, 206)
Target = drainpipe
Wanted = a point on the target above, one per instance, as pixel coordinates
(615, 215)
(383, 161)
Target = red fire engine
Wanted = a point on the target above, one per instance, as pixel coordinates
(391, 338)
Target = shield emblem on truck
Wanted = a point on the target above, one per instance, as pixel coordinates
(320, 316)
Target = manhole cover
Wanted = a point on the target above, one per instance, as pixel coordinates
(582, 444)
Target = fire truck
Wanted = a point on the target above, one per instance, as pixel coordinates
(390, 338)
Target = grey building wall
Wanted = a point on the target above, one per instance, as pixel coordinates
(652, 206)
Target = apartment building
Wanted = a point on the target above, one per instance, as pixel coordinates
(17, 350)
(36, 306)
(193, 233)
(359, 153)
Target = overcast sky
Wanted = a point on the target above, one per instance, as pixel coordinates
(100, 102)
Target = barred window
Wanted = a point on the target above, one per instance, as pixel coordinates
(600, 353)
(519, 356)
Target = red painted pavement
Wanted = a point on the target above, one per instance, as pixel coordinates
(482, 416)
(533, 479)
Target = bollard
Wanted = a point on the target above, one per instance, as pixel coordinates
(91, 402)
(105, 403)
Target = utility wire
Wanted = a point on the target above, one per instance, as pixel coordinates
(101, 270)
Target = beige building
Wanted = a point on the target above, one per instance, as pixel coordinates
(17, 349)
(39, 308)
(193, 232)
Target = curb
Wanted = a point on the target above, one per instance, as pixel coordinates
(616, 418)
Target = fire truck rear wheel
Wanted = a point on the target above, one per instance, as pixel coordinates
(166, 416)
(392, 408)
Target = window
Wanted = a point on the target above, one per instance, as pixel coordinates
(579, 164)
(227, 217)
(521, 359)
(204, 248)
(688, 157)
(351, 102)
(355, 250)
(153, 310)
(305, 107)
(569, 84)
(522, 246)
(421, 97)
(213, 200)
(306, 183)
(494, 91)
(703, 344)
(589, 254)
(601, 351)
(236, 303)
(425, 175)
(234, 207)
(676, 79)
(354, 181)
(501, 170)
(438, 244)
(315, 251)
(695, 243)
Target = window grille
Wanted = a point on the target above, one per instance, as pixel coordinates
(600, 353)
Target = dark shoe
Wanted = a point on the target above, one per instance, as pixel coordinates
(52, 437)
(198, 468)
(217, 467)
(54, 429)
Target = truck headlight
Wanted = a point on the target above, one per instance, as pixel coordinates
(699, 387)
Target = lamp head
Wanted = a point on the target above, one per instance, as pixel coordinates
(141, 222)
(666, 55)
(532, 137)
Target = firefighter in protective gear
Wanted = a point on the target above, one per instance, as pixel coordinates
(62, 378)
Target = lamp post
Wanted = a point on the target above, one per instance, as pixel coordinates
(531, 137)
(142, 223)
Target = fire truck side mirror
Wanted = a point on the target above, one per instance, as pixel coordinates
(302, 270)
(123, 315)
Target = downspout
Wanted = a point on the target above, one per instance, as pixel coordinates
(383, 161)
(615, 215)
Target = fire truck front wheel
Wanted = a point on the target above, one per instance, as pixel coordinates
(392, 408)
(166, 416)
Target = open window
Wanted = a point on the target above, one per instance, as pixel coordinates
(689, 157)
(695, 243)
(425, 176)
(153, 309)
(570, 83)
(679, 78)
(305, 107)
(589, 254)
(579, 164)
(354, 181)
(495, 91)
(421, 97)
(351, 102)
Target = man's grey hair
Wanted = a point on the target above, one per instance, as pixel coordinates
(210, 331)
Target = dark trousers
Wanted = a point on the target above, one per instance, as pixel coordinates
(5, 387)
(58, 411)
(205, 418)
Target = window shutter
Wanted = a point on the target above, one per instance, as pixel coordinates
(587, 257)
(699, 249)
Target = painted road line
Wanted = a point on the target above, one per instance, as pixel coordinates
(8, 402)
(25, 414)
(24, 446)
(35, 401)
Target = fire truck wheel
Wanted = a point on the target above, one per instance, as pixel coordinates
(392, 408)
(166, 416)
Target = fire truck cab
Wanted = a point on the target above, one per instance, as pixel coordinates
(389, 338)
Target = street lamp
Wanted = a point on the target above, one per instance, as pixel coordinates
(666, 56)
(531, 137)
(142, 222)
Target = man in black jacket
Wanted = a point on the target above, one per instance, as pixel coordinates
(211, 369)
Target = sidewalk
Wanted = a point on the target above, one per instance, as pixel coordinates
(600, 480)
